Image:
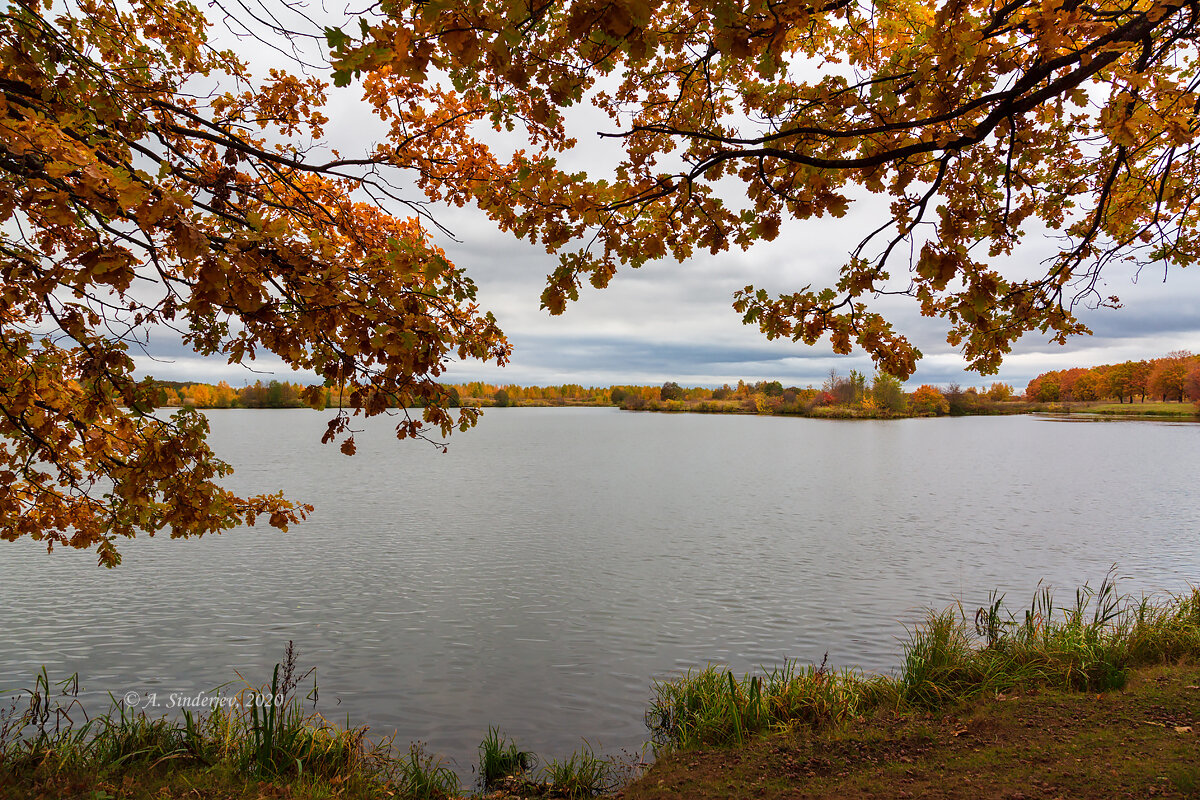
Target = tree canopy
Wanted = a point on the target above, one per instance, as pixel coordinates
(984, 122)
(148, 180)
(133, 199)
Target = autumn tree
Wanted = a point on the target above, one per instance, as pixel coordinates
(888, 393)
(1192, 385)
(671, 391)
(149, 181)
(984, 123)
(1123, 379)
(1139, 381)
(929, 400)
(1045, 388)
(1088, 386)
(999, 392)
(1169, 374)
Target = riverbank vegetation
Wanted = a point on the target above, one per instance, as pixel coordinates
(1089, 645)
(1043, 743)
(1036, 661)
(1174, 379)
(840, 396)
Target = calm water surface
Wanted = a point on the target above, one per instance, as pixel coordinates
(555, 561)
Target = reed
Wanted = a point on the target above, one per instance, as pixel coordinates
(711, 706)
(500, 758)
(582, 774)
(420, 776)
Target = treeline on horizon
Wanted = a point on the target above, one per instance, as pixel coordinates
(883, 395)
(1174, 377)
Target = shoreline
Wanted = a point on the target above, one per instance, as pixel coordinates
(715, 735)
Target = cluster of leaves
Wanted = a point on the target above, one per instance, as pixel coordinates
(1175, 376)
(129, 202)
(983, 122)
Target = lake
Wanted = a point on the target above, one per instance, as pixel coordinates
(542, 573)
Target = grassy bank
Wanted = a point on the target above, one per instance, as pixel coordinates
(978, 692)
(1136, 742)
(1088, 645)
(1142, 409)
(1097, 698)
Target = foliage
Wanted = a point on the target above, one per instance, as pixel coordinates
(999, 392)
(131, 202)
(1168, 377)
(671, 391)
(929, 400)
(983, 123)
(1165, 376)
(1192, 384)
(888, 393)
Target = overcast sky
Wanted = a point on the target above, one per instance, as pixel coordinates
(673, 321)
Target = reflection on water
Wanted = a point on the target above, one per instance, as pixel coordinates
(540, 574)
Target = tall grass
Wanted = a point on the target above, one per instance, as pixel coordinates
(266, 734)
(711, 706)
(1089, 645)
(499, 758)
(582, 774)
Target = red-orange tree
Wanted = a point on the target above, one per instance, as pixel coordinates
(983, 121)
(929, 400)
(1168, 376)
(130, 198)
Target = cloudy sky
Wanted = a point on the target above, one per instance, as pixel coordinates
(674, 321)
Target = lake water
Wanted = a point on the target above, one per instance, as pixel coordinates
(555, 561)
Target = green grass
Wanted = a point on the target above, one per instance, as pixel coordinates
(500, 758)
(1088, 645)
(710, 706)
(582, 774)
(1151, 409)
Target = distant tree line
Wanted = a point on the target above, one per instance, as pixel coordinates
(1174, 377)
(840, 395)
(273, 394)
